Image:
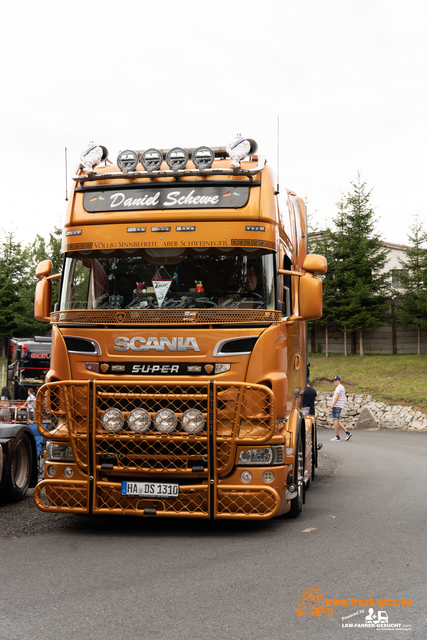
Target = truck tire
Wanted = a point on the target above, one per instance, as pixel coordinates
(19, 469)
(298, 501)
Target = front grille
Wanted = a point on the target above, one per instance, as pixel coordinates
(152, 317)
(233, 414)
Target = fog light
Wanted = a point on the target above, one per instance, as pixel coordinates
(165, 421)
(68, 472)
(246, 476)
(193, 421)
(51, 471)
(112, 420)
(139, 420)
(268, 476)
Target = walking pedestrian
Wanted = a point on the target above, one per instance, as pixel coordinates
(29, 404)
(308, 398)
(337, 405)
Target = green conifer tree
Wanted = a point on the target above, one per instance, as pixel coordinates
(40, 250)
(413, 282)
(362, 290)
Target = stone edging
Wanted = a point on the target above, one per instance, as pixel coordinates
(363, 412)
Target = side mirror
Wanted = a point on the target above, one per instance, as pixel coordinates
(43, 300)
(43, 297)
(310, 296)
(315, 264)
(44, 269)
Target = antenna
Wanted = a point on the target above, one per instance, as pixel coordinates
(278, 154)
(66, 171)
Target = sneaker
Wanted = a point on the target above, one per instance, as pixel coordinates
(336, 439)
(348, 435)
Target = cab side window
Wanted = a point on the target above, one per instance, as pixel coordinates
(287, 287)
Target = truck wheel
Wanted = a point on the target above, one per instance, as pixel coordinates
(19, 470)
(298, 501)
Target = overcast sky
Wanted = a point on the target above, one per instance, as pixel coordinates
(347, 79)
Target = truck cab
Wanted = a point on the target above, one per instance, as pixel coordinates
(179, 341)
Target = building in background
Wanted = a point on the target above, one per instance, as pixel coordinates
(389, 338)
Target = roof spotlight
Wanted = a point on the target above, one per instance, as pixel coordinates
(177, 158)
(152, 159)
(203, 157)
(127, 160)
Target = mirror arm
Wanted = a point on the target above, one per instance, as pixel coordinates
(290, 273)
(292, 319)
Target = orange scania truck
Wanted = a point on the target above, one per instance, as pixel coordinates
(179, 351)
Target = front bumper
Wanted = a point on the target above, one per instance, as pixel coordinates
(203, 465)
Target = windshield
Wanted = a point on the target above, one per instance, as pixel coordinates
(33, 374)
(163, 278)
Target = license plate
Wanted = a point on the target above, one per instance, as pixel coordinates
(150, 489)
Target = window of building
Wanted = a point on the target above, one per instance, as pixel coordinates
(396, 277)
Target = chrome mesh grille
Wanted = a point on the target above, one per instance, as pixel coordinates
(152, 317)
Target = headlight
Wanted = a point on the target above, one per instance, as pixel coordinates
(139, 420)
(165, 421)
(112, 420)
(262, 456)
(177, 158)
(193, 421)
(58, 452)
(256, 456)
(152, 159)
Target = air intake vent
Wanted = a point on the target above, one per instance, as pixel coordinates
(80, 345)
(239, 346)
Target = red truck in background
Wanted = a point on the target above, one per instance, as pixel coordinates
(20, 442)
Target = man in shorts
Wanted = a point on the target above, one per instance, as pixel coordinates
(337, 405)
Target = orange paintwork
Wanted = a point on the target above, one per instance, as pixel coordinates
(276, 363)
